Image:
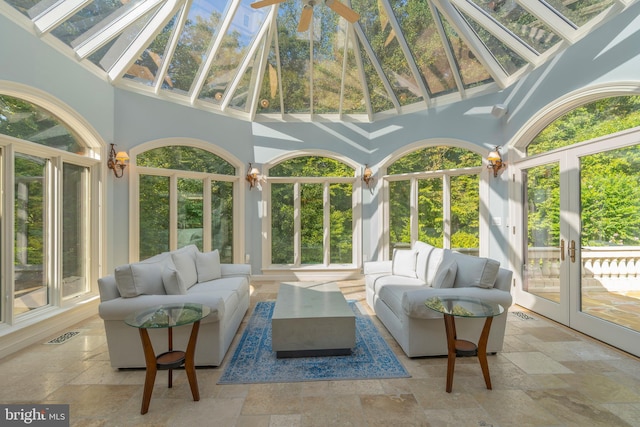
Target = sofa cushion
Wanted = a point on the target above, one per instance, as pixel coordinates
(383, 281)
(186, 265)
(173, 281)
(140, 278)
(475, 271)
(427, 255)
(208, 266)
(446, 274)
(404, 263)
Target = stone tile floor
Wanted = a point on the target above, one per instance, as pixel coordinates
(547, 375)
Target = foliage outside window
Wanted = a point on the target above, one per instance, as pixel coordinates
(610, 180)
(311, 180)
(429, 168)
(210, 190)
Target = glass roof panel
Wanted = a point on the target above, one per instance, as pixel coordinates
(353, 101)
(235, 44)
(507, 58)
(98, 14)
(146, 68)
(378, 30)
(420, 30)
(294, 59)
(579, 12)
(521, 23)
(243, 95)
(328, 55)
(402, 50)
(471, 70)
(202, 24)
(270, 92)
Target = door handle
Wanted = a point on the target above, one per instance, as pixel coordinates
(572, 250)
(561, 249)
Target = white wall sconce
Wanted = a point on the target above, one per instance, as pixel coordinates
(368, 178)
(254, 178)
(495, 161)
(117, 161)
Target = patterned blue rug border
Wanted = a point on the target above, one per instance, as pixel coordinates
(254, 362)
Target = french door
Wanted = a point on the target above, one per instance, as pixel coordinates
(579, 240)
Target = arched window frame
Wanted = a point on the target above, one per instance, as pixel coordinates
(134, 187)
(9, 147)
(356, 180)
(484, 193)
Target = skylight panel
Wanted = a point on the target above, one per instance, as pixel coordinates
(146, 68)
(197, 34)
(472, 72)
(521, 23)
(379, 98)
(269, 98)
(375, 24)
(24, 7)
(508, 59)
(243, 94)
(353, 97)
(420, 30)
(234, 47)
(578, 12)
(328, 54)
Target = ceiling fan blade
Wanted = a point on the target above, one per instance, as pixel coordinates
(265, 3)
(343, 10)
(305, 18)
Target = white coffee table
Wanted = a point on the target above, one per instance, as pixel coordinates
(312, 319)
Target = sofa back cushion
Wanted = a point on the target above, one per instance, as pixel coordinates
(208, 266)
(142, 278)
(185, 263)
(404, 263)
(173, 282)
(446, 274)
(475, 271)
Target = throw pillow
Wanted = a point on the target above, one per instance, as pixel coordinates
(476, 271)
(422, 261)
(446, 274)
(404, 263)
(186, 265)
(140, 278)
(173, 283)
(208, 266)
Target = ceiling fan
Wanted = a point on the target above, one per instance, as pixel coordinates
(307, 11)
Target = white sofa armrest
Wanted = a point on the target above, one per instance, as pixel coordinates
(231, 270)
(108, 288)
(120, 308)
(377, 267)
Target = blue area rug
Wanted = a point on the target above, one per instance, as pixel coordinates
(254, 362)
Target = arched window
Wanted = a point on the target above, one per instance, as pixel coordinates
(186, 196)
(434, 197)
(312, 217)
(48, 204)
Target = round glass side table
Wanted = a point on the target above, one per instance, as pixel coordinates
(452, 307)
(168, 316)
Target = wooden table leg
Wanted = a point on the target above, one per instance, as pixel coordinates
(482, 351)
(450, 327)
(152, 369)
(189, 364)
(170, 348)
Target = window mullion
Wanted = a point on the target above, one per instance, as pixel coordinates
(414, 216)
(297, 229)
(207, 201)
(173, 212)
(446, 211)
(53, 227)
(326, 220)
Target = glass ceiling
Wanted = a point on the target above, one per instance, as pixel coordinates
(399, 56)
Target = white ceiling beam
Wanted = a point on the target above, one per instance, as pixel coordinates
(447, 49)
(563, 28)
(109, 30)
(264, 58)
(151, 30)
(57, 14)
(171, 47)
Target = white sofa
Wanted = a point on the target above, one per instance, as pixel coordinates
(184, 275)
(396, 291)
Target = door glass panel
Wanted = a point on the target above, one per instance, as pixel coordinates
(75, 215)
(154, 215)
(465, 214)
(190, 206)
(222, 219)
(541, 275)
(30, 286)
(610, 246)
